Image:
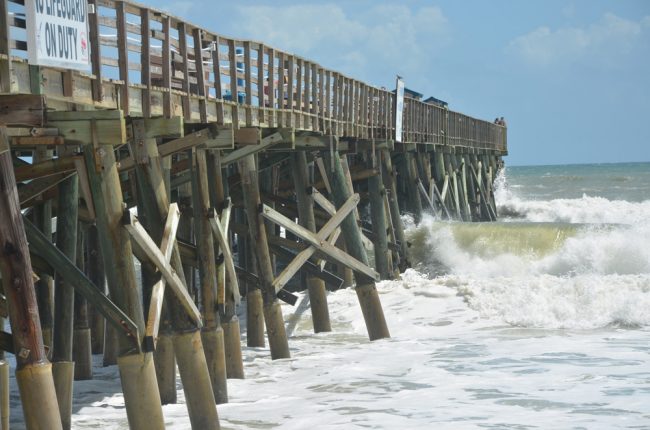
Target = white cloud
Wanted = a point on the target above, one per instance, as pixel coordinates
(611, 35)
(396, 35)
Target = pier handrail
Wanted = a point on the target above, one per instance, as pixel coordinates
(144, 61)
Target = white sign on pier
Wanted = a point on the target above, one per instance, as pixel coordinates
(399, 109)
(58, 33)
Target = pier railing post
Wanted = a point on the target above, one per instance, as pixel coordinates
(33, 370)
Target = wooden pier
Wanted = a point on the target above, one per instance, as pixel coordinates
(233, 172)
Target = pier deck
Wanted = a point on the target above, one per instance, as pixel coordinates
(254, 172)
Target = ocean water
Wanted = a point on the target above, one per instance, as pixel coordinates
(538, 321)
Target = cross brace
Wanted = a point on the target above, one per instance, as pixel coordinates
(318, 242)
(158, 259)
(84, 286)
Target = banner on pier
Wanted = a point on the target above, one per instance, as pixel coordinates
(58, 33)
(399, 109)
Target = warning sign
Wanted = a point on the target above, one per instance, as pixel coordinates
(58, 33)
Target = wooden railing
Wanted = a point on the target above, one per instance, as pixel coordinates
(149, 63)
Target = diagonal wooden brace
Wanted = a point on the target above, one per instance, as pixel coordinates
(318, 242)
(78, 280)
(155, 255)
(158, 289)
(220, 233)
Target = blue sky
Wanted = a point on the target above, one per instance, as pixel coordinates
(572, 78)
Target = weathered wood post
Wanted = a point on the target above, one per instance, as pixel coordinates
(137, 371)
(228, 315)
(33, 370)
(455, 204)
(257, 231)
(254, 303)
(212, 332)
(45, 285)
(462, 168)
(4, 387)
(412, 186)
(366, 290)
(390, 184)
(376, 192)
(81, 344)
(316, 287)
(66, 241)
(187, 339)
(149, 192)
(95, 270)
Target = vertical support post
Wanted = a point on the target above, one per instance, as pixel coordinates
(412, 186)
(212, 332)
(228, 316)
(379, 226)
(150, 189)
(137, 372)
(186, 338)
(66, 241)
(366, 290)
(390, 183)
(257, 230)
(317, 292)
(96, 275)
(4, 388)
(81, 345)
(33, 370)
(45, 285)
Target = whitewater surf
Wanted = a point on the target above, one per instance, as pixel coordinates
(539, 320)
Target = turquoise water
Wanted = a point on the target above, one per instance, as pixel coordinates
(623, 181)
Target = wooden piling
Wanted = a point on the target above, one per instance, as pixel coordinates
(390, 185)
(366, 290)
(411, 176)
(376, 193)
(81, 343)
(228, 315)
(4, 387)
(33, 370)
(212, 333)
(137, 372)
(45, 285)
(186, 338)
(95, 270)
(255, 318)
(66, 241)
(315, 286)
(274, 322)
